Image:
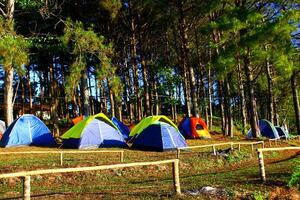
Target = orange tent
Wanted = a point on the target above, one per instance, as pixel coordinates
(77, 119)
(193, 127)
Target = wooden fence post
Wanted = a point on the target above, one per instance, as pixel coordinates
(26, 188)
(175, 167)
(214, 149)
(231, 146)
(178, 153)
(122, 156)
(239, 147)
(61, 159)
(252, 147)
(261, 166)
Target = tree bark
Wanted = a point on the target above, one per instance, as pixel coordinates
(185, 59)
(251, 96)
(296, 99)
(9, 73)
(8, 96)
(242, 98)
(271, 116)
(221, 105)
(85, 94)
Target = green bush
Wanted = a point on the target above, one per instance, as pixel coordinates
(295, 179)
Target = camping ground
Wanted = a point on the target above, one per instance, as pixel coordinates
(235, 176)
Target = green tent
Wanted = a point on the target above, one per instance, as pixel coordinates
(148, 121)
(93, 132)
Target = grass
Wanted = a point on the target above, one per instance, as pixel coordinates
(237, 174)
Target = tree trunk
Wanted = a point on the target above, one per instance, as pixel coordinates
(185, 60)
(8, 96)
(251, 96)
(210, 94)
(112, 103)
(85, 94)
(296, 99)
(242, 98)
(229, 120)
(270, 104)
(221, 105)
(9, 73)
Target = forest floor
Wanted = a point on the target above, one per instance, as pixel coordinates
(235, 176)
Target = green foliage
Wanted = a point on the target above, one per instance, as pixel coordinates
(295, 179)
(113, 6)
(257, 195)
(237, 156)
(88, 48)
(13, 48)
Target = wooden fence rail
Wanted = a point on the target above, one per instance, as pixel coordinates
(261, 158)
(61, 153)
(221, 144)
(26, 175)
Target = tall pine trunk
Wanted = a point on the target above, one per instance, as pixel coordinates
(271, 114)
(296, 99)
(251, 95)
(185, 59)
(9, 73)
(242, 98)
(85, 94)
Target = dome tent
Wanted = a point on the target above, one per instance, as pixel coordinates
(266, 128)
(281, 132)
(194, 127)
(27, 130)
(156, 133)
(93, 132)
(122, 127)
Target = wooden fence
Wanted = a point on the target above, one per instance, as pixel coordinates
(26, 175)
(221, 144)
(261, 158)
(61, 153)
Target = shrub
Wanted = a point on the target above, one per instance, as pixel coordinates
(295, 179)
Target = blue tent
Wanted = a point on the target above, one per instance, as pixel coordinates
(93, 132)
(122, 127)
(281, 132)
(158, 136)
(27, 130)
(267, 129)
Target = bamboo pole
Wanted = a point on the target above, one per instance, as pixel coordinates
(26, 187)
(122, 156)
(80, 169)
(261, 166)
(175, 167)
(26, 175)
(57, 152)
(61, 159)
(279, 149)
(261, 158)
(214, 149)
(178, 153)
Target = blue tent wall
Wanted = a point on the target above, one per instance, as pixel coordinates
(122, 127)
(159, 137)
(267, 129)
(281, 132)
(27, 130)
(96, 134)
(185, 128)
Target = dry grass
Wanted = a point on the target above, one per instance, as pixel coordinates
(239, 175)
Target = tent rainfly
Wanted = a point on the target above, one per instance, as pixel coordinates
(93, 132)
(27, 130)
